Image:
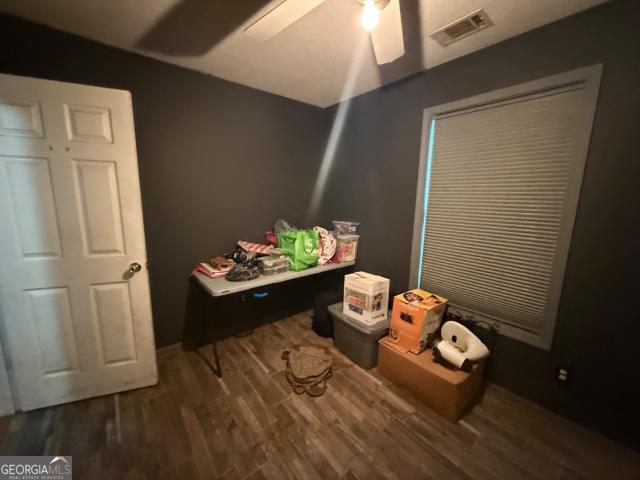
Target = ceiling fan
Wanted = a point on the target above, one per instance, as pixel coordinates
(380, 17)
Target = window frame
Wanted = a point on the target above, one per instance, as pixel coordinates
(589, 77)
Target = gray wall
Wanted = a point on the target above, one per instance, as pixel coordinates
(218, 161)
(374, 181)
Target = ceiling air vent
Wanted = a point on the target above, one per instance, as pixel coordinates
(472, 23)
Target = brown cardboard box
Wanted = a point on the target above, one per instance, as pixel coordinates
(449, 392)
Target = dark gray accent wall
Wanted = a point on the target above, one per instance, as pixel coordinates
(598, 327)
(218, 161)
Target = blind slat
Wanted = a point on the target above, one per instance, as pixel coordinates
(497, 197)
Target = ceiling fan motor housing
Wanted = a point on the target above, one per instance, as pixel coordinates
(378, 3)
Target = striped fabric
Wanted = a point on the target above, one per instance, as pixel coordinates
(256, 247)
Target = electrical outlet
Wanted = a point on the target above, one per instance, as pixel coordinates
(562, 374)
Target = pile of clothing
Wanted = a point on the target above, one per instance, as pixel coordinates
(287, 248)
(217, 267)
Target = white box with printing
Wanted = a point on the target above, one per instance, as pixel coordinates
(366, 297)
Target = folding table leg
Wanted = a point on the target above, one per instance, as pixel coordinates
(215, 366)
(217, 370)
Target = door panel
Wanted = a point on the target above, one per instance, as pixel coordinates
(88, 124)
(112, 310)
(75, 325)
(20, 118)
(34, 214)
(97, 193)
(50, 315)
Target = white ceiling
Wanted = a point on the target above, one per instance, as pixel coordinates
(310, 60)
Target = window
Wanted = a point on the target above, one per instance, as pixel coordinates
(499, 183)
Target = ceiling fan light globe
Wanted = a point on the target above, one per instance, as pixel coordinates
(370, 17)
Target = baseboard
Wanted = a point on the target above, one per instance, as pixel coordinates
(169, 350)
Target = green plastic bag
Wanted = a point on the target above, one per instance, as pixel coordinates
(302, 248)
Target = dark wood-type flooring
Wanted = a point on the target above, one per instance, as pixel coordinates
(249, 424)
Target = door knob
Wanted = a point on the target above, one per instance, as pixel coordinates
(135, 267)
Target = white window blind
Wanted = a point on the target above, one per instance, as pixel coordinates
(502, 186)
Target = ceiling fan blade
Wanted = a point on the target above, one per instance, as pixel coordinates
(387, 38)
(279, 18)
(193, 27)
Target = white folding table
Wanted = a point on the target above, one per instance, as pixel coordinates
(219, 287)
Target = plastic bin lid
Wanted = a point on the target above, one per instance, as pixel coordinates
(336, 311)
(345, 222)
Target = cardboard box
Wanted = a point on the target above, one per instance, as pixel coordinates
(415, 318)
(366, 297)
(407, 342)
(449, 392)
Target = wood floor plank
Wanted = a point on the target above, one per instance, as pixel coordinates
(542, 464)
(314, 451)
(4, 426)
(250, 425)
(347, 455)
(455, 448)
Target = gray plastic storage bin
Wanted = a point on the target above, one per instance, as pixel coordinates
(355, 339)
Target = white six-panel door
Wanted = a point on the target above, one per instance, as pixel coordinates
(75, 323)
